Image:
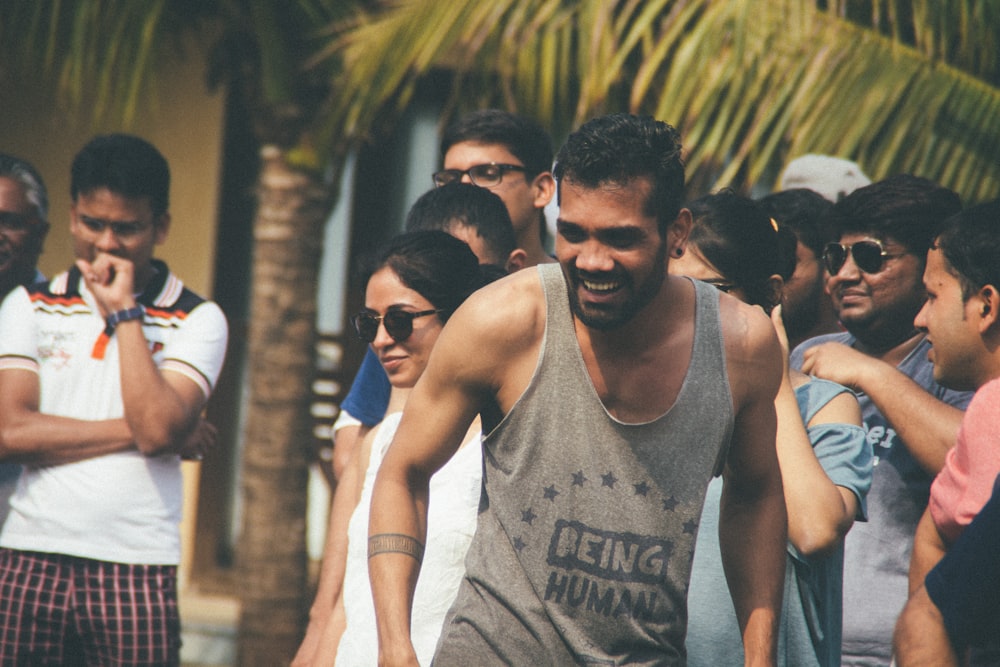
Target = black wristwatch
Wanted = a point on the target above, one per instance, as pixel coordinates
(117, 317)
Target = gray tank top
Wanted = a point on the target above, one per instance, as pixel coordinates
(587, 525)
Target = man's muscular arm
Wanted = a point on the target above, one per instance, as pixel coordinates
(161, 408)
(752, 521)
(30, 437)
(929, 547)
(920, 639)
(26, 435)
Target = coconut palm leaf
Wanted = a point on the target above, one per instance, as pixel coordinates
(103, 54)
(748, 84)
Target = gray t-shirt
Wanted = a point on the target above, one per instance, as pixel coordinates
(587, 525)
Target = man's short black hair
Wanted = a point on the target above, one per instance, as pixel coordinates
(970, 242)
(909, 209)
(619, 148)
(124, 164)
(804, 212)
(470, 206)
(523, 137)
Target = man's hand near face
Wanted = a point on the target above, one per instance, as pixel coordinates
(111, 280)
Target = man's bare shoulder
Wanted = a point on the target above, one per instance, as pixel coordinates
(746, 328)
(753, 354)
(491, 343)
(508, 311)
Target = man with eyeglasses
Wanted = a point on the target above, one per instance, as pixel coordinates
(24, 223)
(104, 372)
(876, 269)
(510, 155)
(610, 393)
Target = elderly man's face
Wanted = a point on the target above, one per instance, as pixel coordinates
(21, 234)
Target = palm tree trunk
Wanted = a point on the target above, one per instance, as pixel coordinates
(271, 558)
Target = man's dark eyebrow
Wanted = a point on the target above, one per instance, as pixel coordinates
(90, 218)
(621, 232)
(564, 227)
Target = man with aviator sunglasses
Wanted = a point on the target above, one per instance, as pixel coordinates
(876, 270)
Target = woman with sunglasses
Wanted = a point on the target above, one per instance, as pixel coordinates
(825, 463)
(416, 283)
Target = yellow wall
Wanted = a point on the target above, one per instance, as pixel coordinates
(180, 117)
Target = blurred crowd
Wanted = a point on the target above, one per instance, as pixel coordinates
(686, 428)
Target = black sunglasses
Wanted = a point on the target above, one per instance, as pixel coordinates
(398, 324)
(869, 256)
(483, 175)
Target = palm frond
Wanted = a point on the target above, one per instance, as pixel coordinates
(749, 84)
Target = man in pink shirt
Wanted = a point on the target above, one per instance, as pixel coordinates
(962, 320)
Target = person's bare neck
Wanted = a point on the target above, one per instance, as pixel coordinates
(531, 244)
(537, 257)
(397, 399)
(891, 353)
(826, 325)
(143, 277)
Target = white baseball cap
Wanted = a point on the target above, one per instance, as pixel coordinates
(832, 177)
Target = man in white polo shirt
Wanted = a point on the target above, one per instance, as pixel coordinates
(104, 372)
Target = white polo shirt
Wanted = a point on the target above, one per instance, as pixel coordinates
(122, 507)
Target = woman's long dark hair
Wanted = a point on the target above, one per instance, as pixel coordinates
(436, 265)
(734, 234)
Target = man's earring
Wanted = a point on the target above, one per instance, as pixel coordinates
(678, 252)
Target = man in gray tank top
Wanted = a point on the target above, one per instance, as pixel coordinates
(610, 393)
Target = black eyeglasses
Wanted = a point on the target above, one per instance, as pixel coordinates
(15, 222)
(869, 256)
(120, 229)
(398, 323)
(483, 175)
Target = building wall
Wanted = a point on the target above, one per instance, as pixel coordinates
(180, 117)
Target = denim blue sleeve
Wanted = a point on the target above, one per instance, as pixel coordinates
(369, 395)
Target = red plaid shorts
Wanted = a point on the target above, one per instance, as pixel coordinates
(63, 610)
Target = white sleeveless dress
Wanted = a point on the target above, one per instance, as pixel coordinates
(451, 522)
